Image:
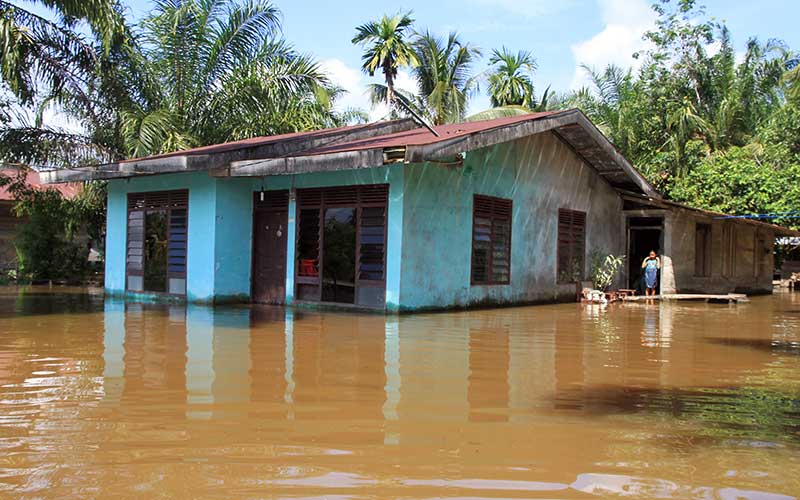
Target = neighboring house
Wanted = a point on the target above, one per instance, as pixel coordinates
(9, 223)
(391, 216)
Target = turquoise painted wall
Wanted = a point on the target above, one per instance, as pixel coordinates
(220, 227)
(214, 250)
(540, 174)
(116, 237)
(233, 239)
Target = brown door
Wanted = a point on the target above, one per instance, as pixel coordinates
(269, 256)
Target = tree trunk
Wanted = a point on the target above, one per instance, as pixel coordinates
(387, 71)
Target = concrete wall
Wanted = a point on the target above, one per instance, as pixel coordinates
(540, 174)
(750, 271)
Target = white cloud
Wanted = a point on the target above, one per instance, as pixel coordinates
(350, 79)
(625, 21)
(355, 83)
(404, 81)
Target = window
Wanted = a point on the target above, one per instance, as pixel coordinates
(341, 245)
(702, 250)
(571, 245)
(157, 242)
(491, 241)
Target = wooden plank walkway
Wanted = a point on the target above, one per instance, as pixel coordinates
(728, 298)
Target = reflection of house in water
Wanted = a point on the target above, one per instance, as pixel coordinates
(513, 208)
(390, 374)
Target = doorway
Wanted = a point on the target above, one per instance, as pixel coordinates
(644, 235)
(339, 255)
(270, 219)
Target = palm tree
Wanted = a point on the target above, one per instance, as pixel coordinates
(683, 124)
(219, 71)
(48, 63)
(611, 102)
(387, 48)
(511, 78)
(39, 54)
(444, 76)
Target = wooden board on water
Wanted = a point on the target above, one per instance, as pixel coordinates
(730, 297)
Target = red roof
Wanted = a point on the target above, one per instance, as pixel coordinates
(248, 143)
(69, 190)
(423, 136)
(415, 137)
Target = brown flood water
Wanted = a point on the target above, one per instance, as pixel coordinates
(105, 399)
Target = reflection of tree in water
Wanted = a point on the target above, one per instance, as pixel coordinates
(746, 413)
(339, 256)
(155, 251)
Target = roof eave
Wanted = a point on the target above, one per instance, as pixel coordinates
(222, 160)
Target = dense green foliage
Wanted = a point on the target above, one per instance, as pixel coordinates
(191, 73)
(705, 128)
(54, 242)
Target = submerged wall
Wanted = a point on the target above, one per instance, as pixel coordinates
(540, 174)
(219, 233)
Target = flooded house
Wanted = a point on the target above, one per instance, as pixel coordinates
(397, 217)
(9, 222)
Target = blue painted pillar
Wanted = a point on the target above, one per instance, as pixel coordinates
(290, 246)
(116, 238)
(200, 246)
(394, 238)
(233, 239)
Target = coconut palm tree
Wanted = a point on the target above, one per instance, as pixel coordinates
(386, 48)
(443, 77)
(511, 78)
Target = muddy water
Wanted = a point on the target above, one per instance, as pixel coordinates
(106, 399)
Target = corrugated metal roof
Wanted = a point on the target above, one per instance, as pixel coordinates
(422, 136)
(252, 142)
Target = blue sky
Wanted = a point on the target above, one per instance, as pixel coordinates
(562, 34)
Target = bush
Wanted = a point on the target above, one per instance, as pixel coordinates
(52, 243)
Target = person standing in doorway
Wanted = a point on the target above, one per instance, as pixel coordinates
(651, 265)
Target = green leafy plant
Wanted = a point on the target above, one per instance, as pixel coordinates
(604, 268)
(53, 242)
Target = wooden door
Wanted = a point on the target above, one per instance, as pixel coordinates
(269, 255)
